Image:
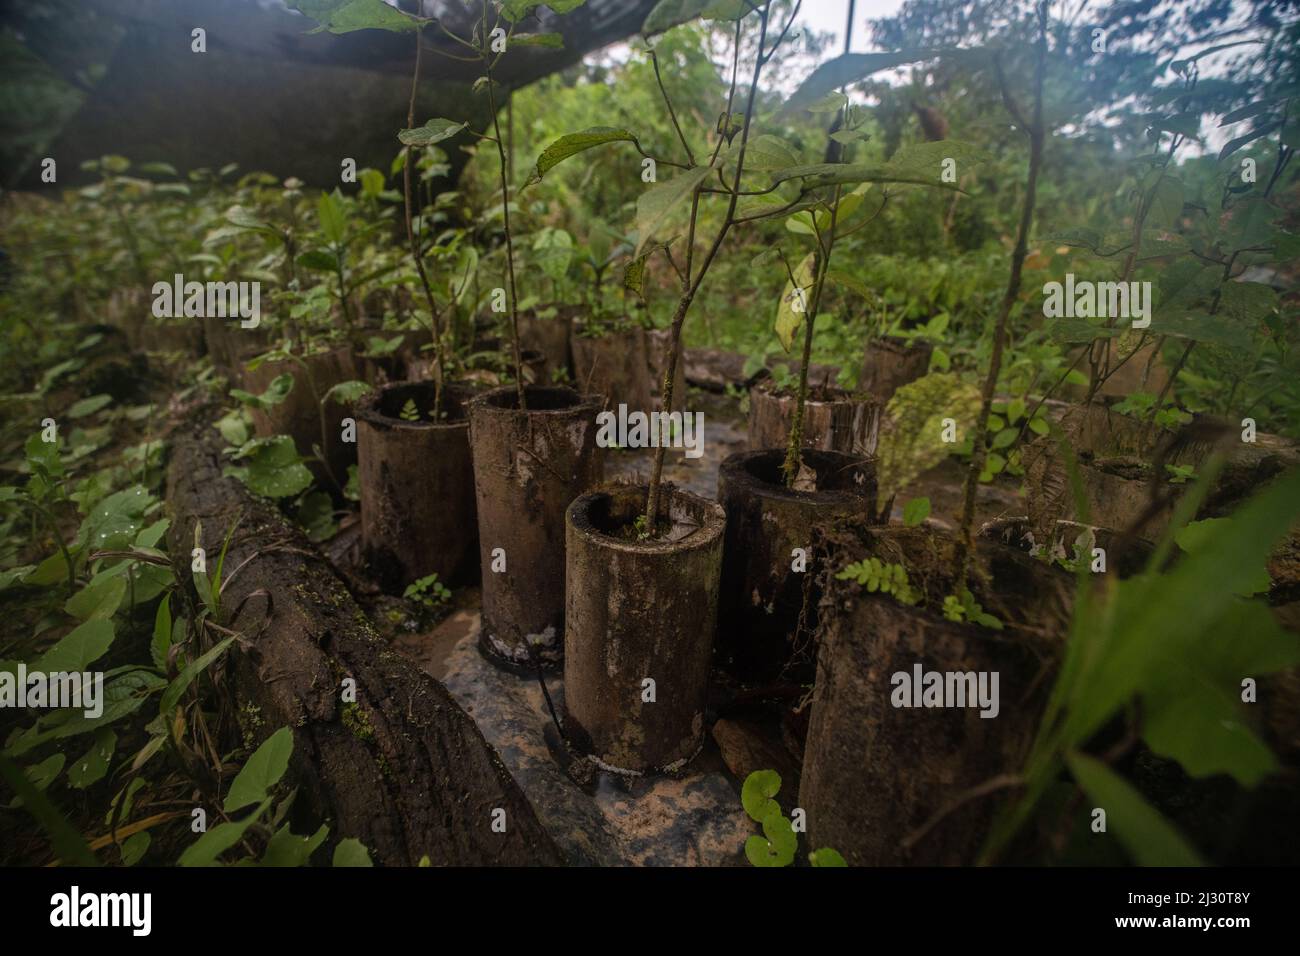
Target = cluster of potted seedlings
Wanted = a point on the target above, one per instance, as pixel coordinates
(625, 586)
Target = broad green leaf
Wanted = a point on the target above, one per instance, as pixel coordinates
(287, 849)
(275, 393)
(99, 599)
(658, 203)
(261, 772)
(432, 132)
(766, 152)
(832, 102)
(79, 648)
(911, 431)
(135, 847)
(1148, 837)
(318, 260)
(1078, 331)
(573, 143)
(1193, 537)
(1161, 619)
(91, 767)
(670, 13)
(275, 469)
(756, 794)
(916, 511)
(333, 219)
(795, 300)
(347, 392)
(345, 16)
(1201, 326)
(351, 852)
(207, 848)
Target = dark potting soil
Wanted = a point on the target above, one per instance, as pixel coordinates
(390, 405)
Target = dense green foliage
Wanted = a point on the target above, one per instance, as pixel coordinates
(1163, 165)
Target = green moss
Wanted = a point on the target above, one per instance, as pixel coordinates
(357, 723)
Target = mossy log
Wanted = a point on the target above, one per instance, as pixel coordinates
(403, 769)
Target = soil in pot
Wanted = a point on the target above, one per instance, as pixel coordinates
(887, 747)
(1070, 544)
(528, 467)
(417, 486)
(888, 364)
(614, 364)
(834, 420)
(300, 415)
(639, 626)
(769, 609)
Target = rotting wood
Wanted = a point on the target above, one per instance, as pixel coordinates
(403, 769)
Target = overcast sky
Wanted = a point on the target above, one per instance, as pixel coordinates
(827, 16)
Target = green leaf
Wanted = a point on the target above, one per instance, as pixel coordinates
(670, 13)
(1149, 838)
(347, 392)
(910, 440)
(657, 204)
(261, 772)
(553, 41)
(826, 857)
(207, 848)
(114, 522)
(78, 649)
(832, 102)
(1201, 326)
(91, 767)
(766, 152)
(792, 308)
(1078, 331)
(275, 393)
(286, 849)
(172, 695)
(99, 599)
(351, 852)
(778, 844)
(345, 16)
(756, 794)
(1197, 535)
(916, 511)
(275, 470)
(573, 143)
(135, 847)
(162, 634)
(333, 218)
(88, 406)
(318, 260)
(432, 132)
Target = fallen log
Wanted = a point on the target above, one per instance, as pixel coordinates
(403, 768)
